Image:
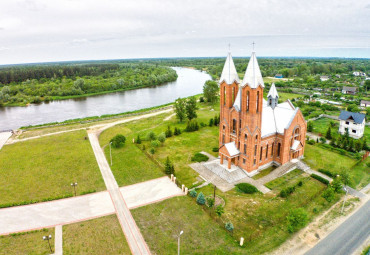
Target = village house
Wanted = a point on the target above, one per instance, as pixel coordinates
(279, 75)
(324, 78)
(349, 90)
(256, 133)
(353, 123)
(365, 103)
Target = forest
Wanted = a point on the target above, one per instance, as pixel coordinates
(33, 84)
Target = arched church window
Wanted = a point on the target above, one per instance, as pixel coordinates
(257, 101)
(247, 101)
(267, 150)
(261, 153)
(224, 95)
(272, 149)
(233, 94)
(234, 125)
(278, 150)
(245, 148)
(256, 138)
(245, 137)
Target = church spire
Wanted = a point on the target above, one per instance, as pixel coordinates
(229, 74)
(272, 96)
(253, 76)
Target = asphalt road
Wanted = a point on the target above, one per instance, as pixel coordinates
(348, 236)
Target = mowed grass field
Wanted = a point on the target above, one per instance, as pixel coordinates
(317, 157)
(44, 168)
(98, 236)
(27, 243)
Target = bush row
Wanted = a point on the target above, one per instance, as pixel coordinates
(319, 178)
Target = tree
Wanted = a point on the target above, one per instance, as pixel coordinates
(201, 199)
(210, 202)
(210, 122)
(118, 141)
(162, 137)
(353, 108)
(220, 210)
(190, 108)
(309, 126)
(180, 109)
(150, 136)
(328, 194)
(210, 90)
(168, 132)
(297, 219)
(229, 226)
(138, 139)
(168, 167)
(328, 133)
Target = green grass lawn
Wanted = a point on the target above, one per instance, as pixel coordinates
(98, 236)
(264, 172)
(260, 219)
(317, 158)
(27, 243)
(130, 165)
(45, 168)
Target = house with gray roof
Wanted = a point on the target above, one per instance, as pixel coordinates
(353, 122)
(349, 90)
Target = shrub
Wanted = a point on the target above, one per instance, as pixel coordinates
(162, 137)
(118, 141)
(193, 193)
(169, 167)
(229, 226)
(322, 140)
(202, 124)
(328, 194)
(192, 126)
(337, 185)
(168, 132)
(138, 139)
(152, 151)
(211, 122)
(150, 136)
(287, 191)
(215, 149)
(177, 131)
(300, 183)
(220, 210)
(199, 157)
(311, 142)
(201, 99)
(201, 199)
(155, 144)
(210, 202)
(319, 178)
(246, 188)
(327, 172)
(297, 219)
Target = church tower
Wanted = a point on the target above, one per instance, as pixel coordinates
(272, 97)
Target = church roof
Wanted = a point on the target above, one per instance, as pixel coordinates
(253, 76)
(278, 119)
(273, 92)
(229, 74)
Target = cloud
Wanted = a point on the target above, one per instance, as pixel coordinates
(3, 48)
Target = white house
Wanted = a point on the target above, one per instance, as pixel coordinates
(324, 78)
(354, 122)
(359, 74)
(365, 103)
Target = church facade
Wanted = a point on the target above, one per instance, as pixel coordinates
(256, 133)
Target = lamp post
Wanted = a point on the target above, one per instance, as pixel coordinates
(344, 199)
(48, 239)
(74, 186)
(178, 242)
(110, 152)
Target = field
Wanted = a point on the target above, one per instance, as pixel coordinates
(260, 219)
(317, 158)
(98, 236)
(44, 168)
(27, 243)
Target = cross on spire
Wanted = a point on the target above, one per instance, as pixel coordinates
(253, 43)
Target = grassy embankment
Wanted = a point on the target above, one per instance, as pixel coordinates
(44, 168)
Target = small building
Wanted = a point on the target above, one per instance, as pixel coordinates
(349, 90)
(359, 74)
(365, 103)
(279, 76)
(354, 122)
(337, 75)
(324, 78)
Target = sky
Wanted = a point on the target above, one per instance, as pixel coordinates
(64, 30)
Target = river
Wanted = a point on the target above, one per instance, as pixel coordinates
(189, 82)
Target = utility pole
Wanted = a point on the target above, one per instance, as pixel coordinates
(48, 239)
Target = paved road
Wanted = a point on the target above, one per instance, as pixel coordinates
(133, 236)
(348, 236)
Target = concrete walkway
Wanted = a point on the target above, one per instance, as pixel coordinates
(133, 236)
(4, 136)
(80, 208)
(58, 240)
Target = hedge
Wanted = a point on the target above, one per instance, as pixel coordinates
(327, 172)
(246, 188)
(199, 157)
(319, 178)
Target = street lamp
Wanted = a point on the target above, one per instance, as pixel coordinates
(344, 200)
(48, 239)
(178, 242)
(74, 186)
(110, 152)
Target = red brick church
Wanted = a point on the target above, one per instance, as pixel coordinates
(256, 133)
